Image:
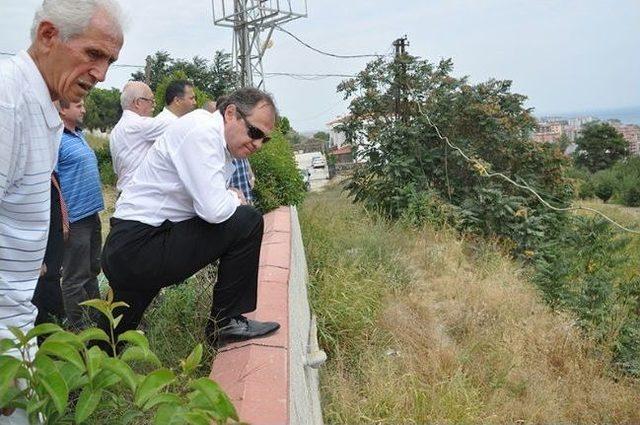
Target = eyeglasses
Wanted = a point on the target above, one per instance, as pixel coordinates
(147, 99)
(253, 132)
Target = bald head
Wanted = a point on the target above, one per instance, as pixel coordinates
(210, 105)
(137, 97)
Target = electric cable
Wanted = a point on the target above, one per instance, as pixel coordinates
(333, 55)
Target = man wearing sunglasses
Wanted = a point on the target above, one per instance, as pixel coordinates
(177, 215)
(243, 178)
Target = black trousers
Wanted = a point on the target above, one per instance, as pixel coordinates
(139, 260)
(48, 294)
(80, 269)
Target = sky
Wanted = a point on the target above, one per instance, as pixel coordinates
(565, 55)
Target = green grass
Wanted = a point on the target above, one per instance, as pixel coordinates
(352, 268)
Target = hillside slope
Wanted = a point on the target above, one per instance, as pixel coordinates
(426, 327)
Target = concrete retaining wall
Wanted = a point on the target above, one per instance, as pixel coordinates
(274, 380)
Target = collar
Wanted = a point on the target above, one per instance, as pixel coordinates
(77, 132)
(39, 87)
(168, 111)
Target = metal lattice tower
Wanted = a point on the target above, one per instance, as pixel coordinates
(249, 20)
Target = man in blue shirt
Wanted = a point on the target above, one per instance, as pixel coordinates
(82, 192)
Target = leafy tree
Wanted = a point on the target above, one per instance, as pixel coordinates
(294, 137)
(321, 135)
(103, 109)
(402, 156)
(284, 125)
(159, 66)
(563, 142)
(214, 77)
(600, 145)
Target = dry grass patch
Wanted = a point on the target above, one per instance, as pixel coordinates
(466, 340)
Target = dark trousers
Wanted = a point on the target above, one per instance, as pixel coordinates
(48, 295)
(80, 268)
(139, 260)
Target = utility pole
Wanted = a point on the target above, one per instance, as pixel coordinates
(400, 77)
(250, 19)
(147, 71)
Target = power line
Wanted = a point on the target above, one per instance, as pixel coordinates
(326, 53)
(307, 77)
(115, 65)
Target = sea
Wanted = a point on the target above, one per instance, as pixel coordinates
(629, 115)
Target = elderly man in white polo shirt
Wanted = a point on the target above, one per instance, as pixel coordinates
(73, 44)
(177, 215)
(135, 132)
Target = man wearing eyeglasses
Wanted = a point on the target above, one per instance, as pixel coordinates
(136, 131)
(177, 215)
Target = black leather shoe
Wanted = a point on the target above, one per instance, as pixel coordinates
(240, 328)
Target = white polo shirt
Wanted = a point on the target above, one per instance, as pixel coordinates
(129, 142)
(30, 132)
(184, 175)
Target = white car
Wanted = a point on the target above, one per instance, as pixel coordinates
(318, 162)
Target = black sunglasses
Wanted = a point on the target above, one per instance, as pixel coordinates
(252, 131)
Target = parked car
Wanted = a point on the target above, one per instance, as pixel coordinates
(318, 162)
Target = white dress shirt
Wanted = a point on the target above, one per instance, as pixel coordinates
(30, 132)
(129, 142)
(184, 175)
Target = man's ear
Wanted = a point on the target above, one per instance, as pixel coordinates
(230, 112)
(47, 34)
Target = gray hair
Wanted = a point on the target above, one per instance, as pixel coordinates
(130, 92)
(72, 17)
(245, 100)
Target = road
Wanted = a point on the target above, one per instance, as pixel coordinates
(319, 176)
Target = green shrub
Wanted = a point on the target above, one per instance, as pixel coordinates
(582, 182)
(278, 181)
(107, 175)
(427, 207)
(631, 196)
(586, 189)
(67, 363)
(627, 177)
(603, 185)
(585, 271)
